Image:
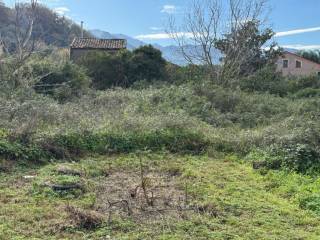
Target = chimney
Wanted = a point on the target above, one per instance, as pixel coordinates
(81, 29)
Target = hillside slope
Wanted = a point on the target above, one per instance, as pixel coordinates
(49, 27)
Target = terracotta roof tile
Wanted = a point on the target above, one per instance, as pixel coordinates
(95, 43)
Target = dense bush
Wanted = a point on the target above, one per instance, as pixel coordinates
(75, 144)
(18, 151)
(65, 83)
(301, 83)
(238, 107)
(310, 202)
(181, 118)
(300, 158)
(125, 68)
(147, 63)
(307, 93)
(265, 80)
(108, 70)
(173, 140)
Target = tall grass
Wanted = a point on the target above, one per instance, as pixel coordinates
(186, 118)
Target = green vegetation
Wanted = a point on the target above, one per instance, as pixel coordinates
(227, 200)
(125, 68)
(312, 55)
(50, 27)
(128, 146)
(203, 138)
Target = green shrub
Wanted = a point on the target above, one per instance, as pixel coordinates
(18, 151)
(147, 63)
(3, 133)
(265, 80)
(311, 202)
(66, 83)
(301, 158)
(237, 107)
(307, 93)
(107, 70)
(300, 83)
(125, 68)
(173, 140)
(269, 81)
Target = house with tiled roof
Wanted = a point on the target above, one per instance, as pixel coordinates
(291, 64)
(82, 46)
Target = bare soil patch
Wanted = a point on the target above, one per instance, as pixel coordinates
(142, 197)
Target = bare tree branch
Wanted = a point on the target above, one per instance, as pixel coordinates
(207, 22)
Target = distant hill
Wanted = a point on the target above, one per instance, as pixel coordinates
(170, 53)
(49, 28)
(132, 42)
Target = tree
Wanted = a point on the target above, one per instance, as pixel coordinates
(232, 26)
(124, 68)
(243, 52)
(148, 64)
(25, 16)
(107, 70)
(24, 46)
(4, 15)
(56, 30)
(311, 55)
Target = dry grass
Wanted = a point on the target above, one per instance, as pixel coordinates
(155, 197)
(84, 218)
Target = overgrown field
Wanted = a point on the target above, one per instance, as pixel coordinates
(194, 161)
(193, 198)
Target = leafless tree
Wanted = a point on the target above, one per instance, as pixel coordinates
(200, 29)
(206, 22)
(24, 19)
(24, 22)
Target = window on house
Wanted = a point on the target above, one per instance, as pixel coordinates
(298, 64)
(318, 74)
(285, 63)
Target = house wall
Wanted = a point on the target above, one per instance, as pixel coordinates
(77, 54)
(308, 68)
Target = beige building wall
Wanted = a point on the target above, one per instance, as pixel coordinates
(308, 68)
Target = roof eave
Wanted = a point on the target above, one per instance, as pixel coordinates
(296, 55)
(89, 48)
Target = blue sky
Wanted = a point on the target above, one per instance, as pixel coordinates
(145, 18)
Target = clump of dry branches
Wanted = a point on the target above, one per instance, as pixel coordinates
(84, 218)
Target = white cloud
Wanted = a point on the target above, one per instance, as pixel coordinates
(301, 47)
(160, 36)
(297, 31)
(169, 9)
(61, 10)
(155, 28)
(45, 2)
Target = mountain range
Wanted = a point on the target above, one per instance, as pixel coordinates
(170, 53)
